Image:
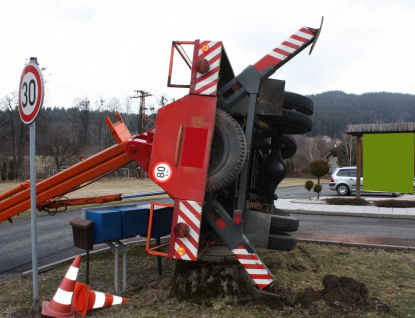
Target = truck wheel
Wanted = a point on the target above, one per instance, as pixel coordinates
(298, 102)
(289, 146)
(282, 242)
(291, 122)
(276, 211)
(281, 223)
(228, 152)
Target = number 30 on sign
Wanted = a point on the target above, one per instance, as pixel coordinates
(30, 92)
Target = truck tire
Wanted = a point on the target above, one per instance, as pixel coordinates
(291, 122)
(298, 102)
(289, 147)
(282, 242)
(276, 211)
(280, 223)
(228, 152)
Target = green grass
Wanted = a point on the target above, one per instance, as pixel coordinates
(389, 276)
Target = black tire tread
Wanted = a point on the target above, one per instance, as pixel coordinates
(276, 211)
(298, 102)
(223, 181)
(282, 242)
(280, 223)
(290, 147)
(291, 122)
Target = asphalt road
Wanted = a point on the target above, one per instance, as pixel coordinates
(55, 239)
(55, 242)
(379, 231)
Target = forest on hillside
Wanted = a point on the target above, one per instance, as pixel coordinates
(62, 134)
(335, 109)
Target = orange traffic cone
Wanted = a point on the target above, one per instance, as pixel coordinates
(85, 299)
(60, 305)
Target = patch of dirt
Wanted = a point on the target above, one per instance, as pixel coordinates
(342, 295)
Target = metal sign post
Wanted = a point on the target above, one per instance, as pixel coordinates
(35, 306)
(30, 101)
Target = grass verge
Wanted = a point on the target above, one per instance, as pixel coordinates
(388, 275)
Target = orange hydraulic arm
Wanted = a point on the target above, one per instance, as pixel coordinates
(53, 206)
(58, 204)
(17, 199)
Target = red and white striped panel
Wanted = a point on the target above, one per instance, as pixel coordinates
(190, 212)
(285, 49)
(254, 266)
(207, 84)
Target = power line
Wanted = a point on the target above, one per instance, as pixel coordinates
(142, 113)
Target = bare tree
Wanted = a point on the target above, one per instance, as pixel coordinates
(61, 146)
(346, 152)
(309, 149)
(99, 123)
(114, 105)
(128, 111)
(13, 130)
(84, 117)
(313, 152)
(7, 104)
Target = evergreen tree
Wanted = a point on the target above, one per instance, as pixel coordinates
(4, 172)
(319, 168)
(11, 170)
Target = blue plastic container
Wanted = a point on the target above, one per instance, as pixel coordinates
(107, 224)
(134, 220)
(162, 220)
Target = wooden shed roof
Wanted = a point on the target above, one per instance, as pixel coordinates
(358, 130)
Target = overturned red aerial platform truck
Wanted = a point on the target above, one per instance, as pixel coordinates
(218, 152)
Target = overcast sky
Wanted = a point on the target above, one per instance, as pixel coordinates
(107, 48)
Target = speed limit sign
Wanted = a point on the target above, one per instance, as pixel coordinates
(30, 92)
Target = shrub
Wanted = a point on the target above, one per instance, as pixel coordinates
(319, 168)
(395, 203)
(308, 185)
(317, 189)
(344, 201)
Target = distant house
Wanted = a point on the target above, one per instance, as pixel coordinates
(331, 158)
(326, 138)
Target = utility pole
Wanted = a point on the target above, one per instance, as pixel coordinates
(142, 112)
(141, 118)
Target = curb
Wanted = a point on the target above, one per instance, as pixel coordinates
(361, 245)
(355, 214)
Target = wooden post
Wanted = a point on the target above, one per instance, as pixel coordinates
(359, 163)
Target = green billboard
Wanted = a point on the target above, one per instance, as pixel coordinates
(388, 162)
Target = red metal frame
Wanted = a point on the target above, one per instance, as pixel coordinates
(176, 45)
(153, 251)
